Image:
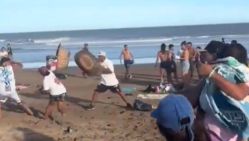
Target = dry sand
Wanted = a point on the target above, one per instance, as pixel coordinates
(110, 121)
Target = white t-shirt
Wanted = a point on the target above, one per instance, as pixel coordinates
(7, 80)
(53, 85)
(108, 79)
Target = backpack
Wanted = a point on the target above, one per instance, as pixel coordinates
(141, 106)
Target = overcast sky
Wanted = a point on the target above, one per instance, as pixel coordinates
(51, 15)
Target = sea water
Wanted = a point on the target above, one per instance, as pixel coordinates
(32, 48)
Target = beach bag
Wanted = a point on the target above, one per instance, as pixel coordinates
(141, 106)
(232, 113)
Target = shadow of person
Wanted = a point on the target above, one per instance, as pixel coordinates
(12, 107)
(25, 134)
(84, 103)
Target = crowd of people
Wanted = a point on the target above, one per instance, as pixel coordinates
(215, 109)
(219, 105)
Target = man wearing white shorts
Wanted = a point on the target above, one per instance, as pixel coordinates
(8, 85)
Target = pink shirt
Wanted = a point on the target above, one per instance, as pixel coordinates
(218, 132)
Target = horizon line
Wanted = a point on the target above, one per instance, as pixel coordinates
(67, 30)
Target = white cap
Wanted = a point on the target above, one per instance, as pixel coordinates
(102, 53)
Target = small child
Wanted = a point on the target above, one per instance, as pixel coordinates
(56, 89)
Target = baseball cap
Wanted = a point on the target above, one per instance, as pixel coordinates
(176, 114)
(102, 53)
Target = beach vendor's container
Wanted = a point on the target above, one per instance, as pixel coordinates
(63, 57)
(51, 62)
(87, 62)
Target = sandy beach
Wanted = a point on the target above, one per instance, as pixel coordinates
(110, 121)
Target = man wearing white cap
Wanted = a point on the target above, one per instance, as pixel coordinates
(108, 80)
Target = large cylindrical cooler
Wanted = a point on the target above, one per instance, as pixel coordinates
(87, 62)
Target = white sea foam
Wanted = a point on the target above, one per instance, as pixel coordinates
(53, 40)
(29, 65)
(203, 37)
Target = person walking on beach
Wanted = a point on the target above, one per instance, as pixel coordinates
(162, 57)
(197, 57)
(128, 58)
(56, 90)
(173, 63)
(8, 85)
(185, 63)
(191, 58)
(108, 81)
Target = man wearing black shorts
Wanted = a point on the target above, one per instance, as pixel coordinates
(108, 80)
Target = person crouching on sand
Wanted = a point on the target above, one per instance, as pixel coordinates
(8, 85)
(57, 92)
(108, 80)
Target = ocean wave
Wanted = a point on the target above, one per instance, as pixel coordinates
(236, 36)
(2, 40)
(53, 40)
(111, 42)
(203, 37)
(32, 65)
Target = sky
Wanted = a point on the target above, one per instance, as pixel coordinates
(54, 15)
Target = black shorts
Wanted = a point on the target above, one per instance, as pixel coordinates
(163, 64)
(128, 63)
(56, 98)
(101, 88)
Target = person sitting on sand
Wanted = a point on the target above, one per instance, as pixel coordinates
(108, 81)
(185, 65)
(56, 89)
(8, 85)
(162, 57)
(128, 58)
(175, 118)
(225, 87)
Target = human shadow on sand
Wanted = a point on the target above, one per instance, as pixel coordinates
(84, 103)
(30, 135)
(14, 107)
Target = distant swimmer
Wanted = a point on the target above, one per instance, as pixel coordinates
(128, 58)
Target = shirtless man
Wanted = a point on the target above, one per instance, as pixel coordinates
(128, 58)
(163, 56)
(185, 65)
